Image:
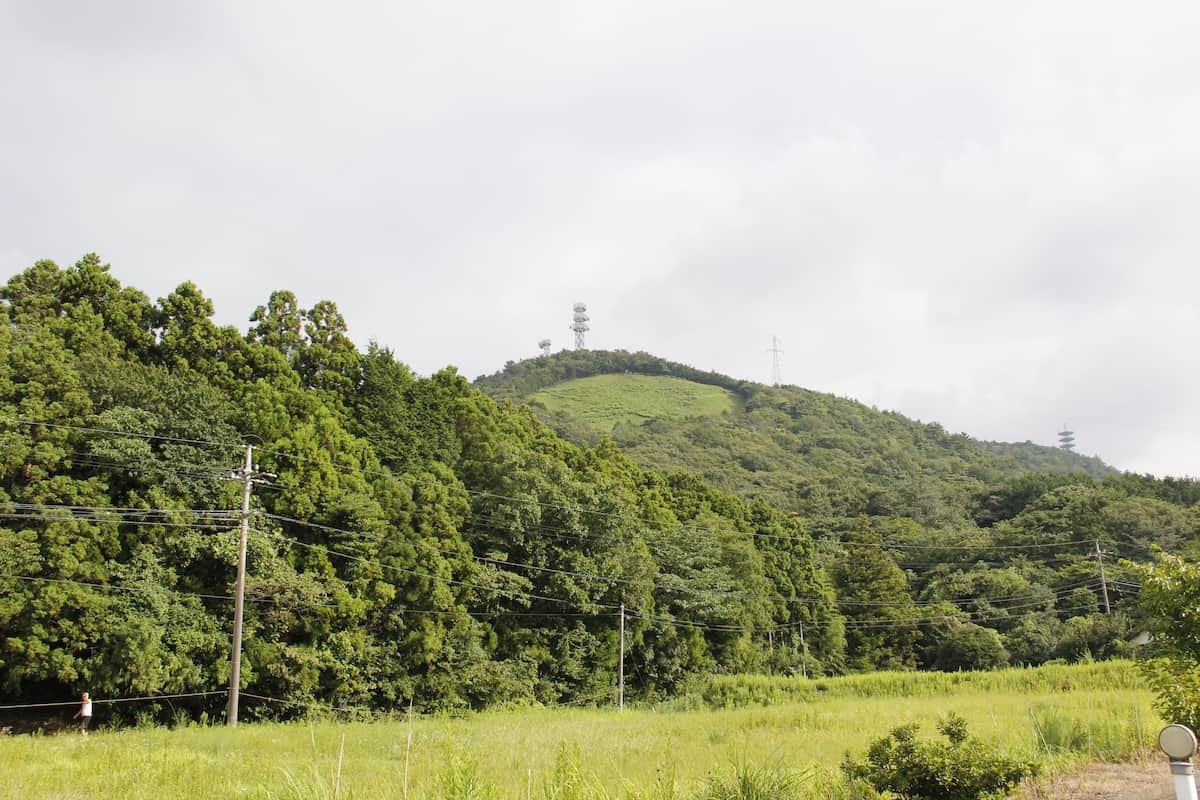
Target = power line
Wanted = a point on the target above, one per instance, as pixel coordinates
(145, 698)
(169, 590)
(626, 581)
(302, 704)
(972, 619)
(83, 512)
(558, 506)
(115, 509)
(200, 526)
(545, 528)
(419, 574)
(112, 432)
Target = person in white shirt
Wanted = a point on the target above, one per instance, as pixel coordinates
(84, 714)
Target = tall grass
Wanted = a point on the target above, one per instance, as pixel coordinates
(757, 782)
(788, 749)
(740, 691)
(1105, 734)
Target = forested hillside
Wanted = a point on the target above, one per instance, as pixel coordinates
(817, 454)
(417, 539)
(1006, 532)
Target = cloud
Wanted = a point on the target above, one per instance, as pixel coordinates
(981, 216)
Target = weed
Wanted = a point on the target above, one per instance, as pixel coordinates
(460, 779)
(749, 782)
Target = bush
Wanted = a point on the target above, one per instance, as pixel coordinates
(969, 646)
(1168, 601)
(1033, 640)
(1096, 636)
(1176, 684)
(961, 768)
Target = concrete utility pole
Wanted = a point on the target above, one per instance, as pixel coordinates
(803, 652)
(1103, 582)
(621, 664)
(247, 475)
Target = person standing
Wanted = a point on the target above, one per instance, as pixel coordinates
(84, 714)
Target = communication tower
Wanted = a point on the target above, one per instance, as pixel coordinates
(580, 325)
(776, 372)
(545, 345)
(1066, 438)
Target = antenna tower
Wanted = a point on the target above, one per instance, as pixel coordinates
(1066, 438)
(545, 345)
(580, 325)
(776, 373)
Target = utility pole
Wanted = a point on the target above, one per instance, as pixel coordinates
(247, 475)
(803, 652)
(621, 665)
(1103, 582)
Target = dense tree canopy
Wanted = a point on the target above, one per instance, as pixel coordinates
(419, 539)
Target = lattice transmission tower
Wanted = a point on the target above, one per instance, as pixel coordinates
(776, 371)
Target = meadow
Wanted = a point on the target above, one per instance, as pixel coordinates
(1060, 715)
(605, 401)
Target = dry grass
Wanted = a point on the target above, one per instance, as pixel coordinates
(1150, 780)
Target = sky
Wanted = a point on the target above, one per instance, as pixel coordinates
(980, 214)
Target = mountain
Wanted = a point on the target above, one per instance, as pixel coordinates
(809, 452)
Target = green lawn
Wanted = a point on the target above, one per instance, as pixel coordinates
(605, 401)
(561, 754)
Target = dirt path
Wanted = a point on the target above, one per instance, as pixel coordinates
(1151, 781)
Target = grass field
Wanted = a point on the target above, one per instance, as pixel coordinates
(1088, 712)
(604, 401)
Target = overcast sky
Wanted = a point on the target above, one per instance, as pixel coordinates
(980, 214)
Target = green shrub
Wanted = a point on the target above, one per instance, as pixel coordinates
(962, 768)
(1176, 684)
(1167, 604)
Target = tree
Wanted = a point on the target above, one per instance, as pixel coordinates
(329, 361)
(1169, 606)
(969, 646)
(873, 593)
(279, 325)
